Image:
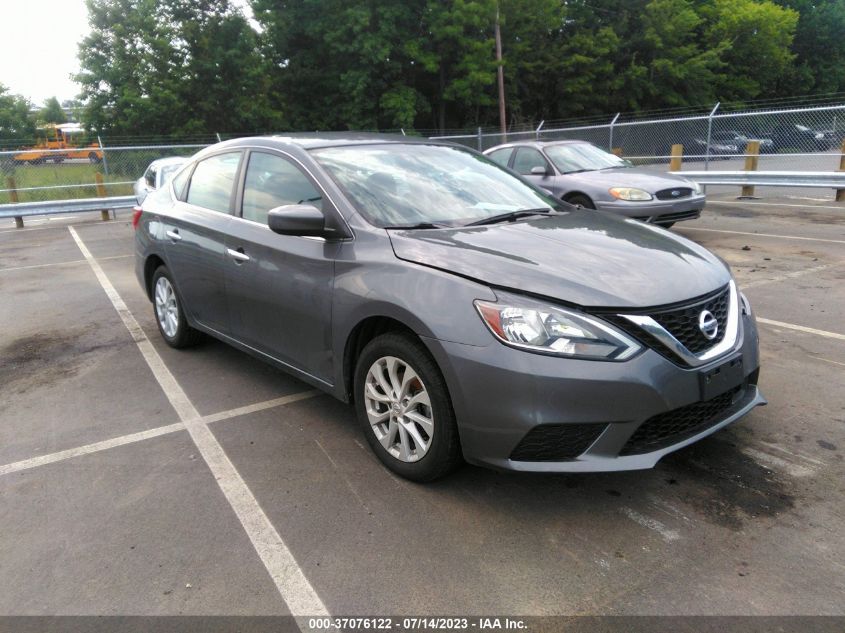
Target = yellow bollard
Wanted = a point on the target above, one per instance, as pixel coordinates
(616, 151)
(752, 151)
(840, 193)
(101, 193)
(12, 186)
(677, 156)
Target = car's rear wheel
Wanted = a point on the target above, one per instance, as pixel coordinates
(170, 316)
(404, 408)
(582, 201)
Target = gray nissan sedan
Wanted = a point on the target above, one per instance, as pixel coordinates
(580, 173)
(465, 313)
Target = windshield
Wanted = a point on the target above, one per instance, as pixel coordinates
(572, 157)
(396, 185)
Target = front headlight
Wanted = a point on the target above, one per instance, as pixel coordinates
(696, 188)
(630, 193)
(539, 327)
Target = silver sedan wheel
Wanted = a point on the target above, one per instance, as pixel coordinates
(167, 311)
(399, 409)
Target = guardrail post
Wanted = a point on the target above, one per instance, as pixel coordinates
(103, 152)
(12, 186)
(752, 157)
(840, 193)
(101, 193)
(612, 123)
(677, 157)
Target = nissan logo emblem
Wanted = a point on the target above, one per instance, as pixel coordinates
(708, 325)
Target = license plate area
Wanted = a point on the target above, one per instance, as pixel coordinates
(717, 380)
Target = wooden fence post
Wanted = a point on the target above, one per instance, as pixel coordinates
(840, 193)
(677, 157)
(12, 186)
(752, 151)
(101, 193)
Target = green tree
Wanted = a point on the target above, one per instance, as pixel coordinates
(52, 112)
(819, 47)
(15, 122)
(153, 67)
(756, 36)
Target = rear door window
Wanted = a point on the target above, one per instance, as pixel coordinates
(502, 156)
(213, 180)
(272, 181)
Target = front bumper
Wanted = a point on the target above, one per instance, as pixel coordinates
(500, 394)
(656, 210)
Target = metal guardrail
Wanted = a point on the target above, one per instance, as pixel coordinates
(816, 179)
(23, 209)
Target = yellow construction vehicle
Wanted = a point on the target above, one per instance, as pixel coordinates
(57, 146)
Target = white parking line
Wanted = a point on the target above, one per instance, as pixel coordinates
(650, 523)
(783, 237)
(771, 462)
(96, 447)
(793, 275)
(132, 438)
(293, 586)
(801, 328)
(73, 261)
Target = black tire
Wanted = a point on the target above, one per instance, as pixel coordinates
(185, 335)
(444, 452)
(665, 225)
(581, 200)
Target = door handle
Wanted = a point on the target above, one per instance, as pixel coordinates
(238, 255)
(173, 235)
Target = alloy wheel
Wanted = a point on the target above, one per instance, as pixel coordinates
(167, 310)
(399, 409)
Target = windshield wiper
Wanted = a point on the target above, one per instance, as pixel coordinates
(419, 225)
(578, 171)
(509, 217)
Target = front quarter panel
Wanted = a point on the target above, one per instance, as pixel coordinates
(370, 281)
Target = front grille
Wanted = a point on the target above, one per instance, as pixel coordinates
(556, 442)
(669, 194)
(682, 323)
(678, 217)
(675, 426)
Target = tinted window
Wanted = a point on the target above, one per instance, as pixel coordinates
(528, 158)
(211, 184)
(180, 181)
(272, 181)
(502, 156)
(150, 176)
(572, 157)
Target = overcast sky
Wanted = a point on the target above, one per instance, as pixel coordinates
(38, 46)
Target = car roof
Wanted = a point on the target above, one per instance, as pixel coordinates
(314, 140)
(537, 144)
(176, 160)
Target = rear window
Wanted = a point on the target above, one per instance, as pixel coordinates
(213, 180)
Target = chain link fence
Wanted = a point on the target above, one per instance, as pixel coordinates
(791, 139)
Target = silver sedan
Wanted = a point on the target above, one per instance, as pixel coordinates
(581, 173)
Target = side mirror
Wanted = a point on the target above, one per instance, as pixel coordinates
(297, 219)
(539, 171)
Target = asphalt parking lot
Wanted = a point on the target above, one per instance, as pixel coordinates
(137, 479)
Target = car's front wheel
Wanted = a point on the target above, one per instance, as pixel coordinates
(169, 314)
(403, 406)
(581, 201)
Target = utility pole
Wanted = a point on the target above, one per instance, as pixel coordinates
(501, 74)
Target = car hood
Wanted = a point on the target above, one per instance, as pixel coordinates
(590, 259)
(651, 181)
